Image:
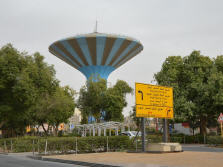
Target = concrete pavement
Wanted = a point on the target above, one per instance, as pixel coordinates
(193, 156)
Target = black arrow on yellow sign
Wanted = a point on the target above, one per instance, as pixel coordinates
(139, 91)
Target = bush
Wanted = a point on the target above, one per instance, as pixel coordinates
(67, 144)
(177, 139)
(214, 140)
(154, 138)
(197, 139)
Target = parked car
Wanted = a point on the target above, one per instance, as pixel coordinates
(131, 134)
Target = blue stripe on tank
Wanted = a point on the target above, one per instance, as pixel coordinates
(130, 56)
(72, 51)
(100, 45)
(133, 43)
(84, 47)
(115, 48)
(64, 55)
(102, 71)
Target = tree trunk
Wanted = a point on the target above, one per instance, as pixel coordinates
(56, 129)
(45, 130)
(203, 125)
(37, 128)
(1, 124)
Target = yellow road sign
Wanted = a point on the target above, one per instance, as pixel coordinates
(154, 111)
(153, 101)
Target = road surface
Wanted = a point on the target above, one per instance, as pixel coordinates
(20, 160)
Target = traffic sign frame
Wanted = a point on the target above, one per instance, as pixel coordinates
(153, 101)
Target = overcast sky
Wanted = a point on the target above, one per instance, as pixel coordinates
(164, 27)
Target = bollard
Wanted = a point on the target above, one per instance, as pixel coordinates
(46, 147)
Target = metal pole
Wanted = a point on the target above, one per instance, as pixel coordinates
(143, 135)
(165, 129)
(221, 130)
(76, 147)
(105, 132)
(93, 131)
(5, 147)
(136, 145)
(204, 139)
(46, 147)
(107, 143)
(116, 131)
(33, 148)
(38, 146)
(11, 145)
(184, 139)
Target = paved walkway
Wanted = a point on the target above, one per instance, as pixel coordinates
(197, 156)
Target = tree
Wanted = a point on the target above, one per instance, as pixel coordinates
(98, 100)
(16, 88)
(197, 82)
(91, 99)
(27, 86)
(62, 107)
(137, 120)
(115, 101)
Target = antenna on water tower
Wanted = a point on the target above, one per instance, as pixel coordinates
(96, 27)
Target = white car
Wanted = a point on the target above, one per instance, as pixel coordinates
(131, 134)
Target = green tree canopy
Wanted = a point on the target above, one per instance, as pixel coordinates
(198, 83)
(95, 99)
(26, 81)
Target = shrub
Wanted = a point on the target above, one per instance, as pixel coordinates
(177, 139)
(215, 140)
(154, 138)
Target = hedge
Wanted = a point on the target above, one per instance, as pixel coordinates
(215, 140)
(197, 139)
(92, 144)
(67, 144)
(154, 138)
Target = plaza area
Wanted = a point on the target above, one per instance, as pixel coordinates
(193, 156)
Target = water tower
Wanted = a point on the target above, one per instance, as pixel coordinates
(96, 54)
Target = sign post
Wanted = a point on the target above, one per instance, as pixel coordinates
(165, 130)
(220, 120)
(143, 134)
(154, 101)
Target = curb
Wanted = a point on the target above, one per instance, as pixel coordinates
(82, 163)
(155, 152)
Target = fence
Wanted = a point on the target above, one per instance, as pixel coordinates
(62, 145)
(65, 145)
